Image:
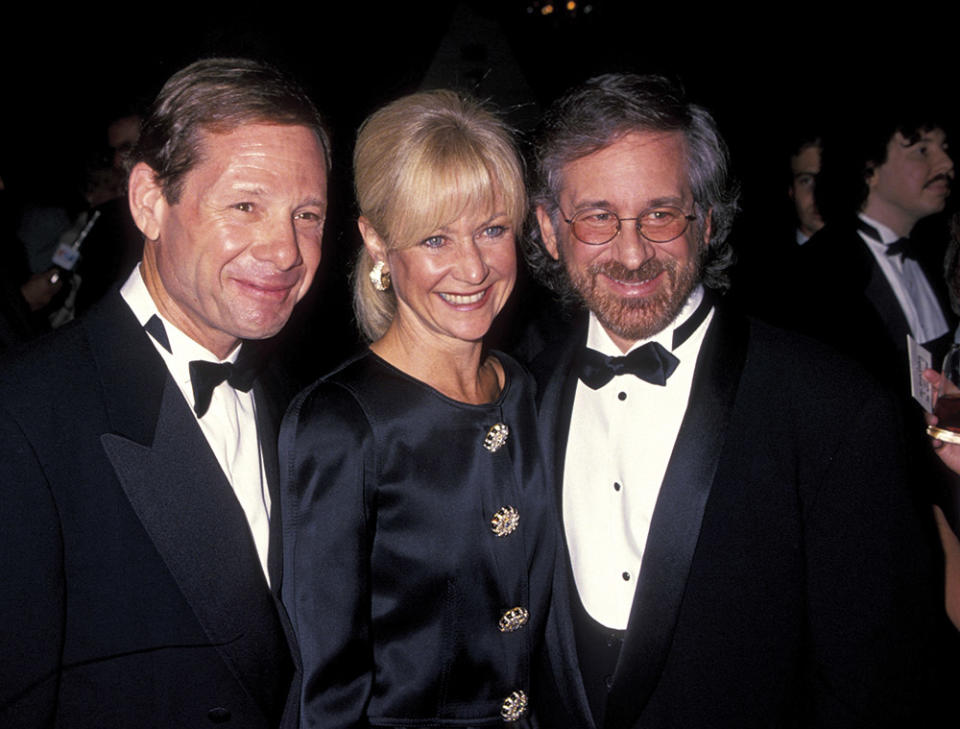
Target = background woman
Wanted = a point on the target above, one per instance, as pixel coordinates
(417, 548)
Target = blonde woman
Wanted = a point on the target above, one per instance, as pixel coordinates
(418, 541)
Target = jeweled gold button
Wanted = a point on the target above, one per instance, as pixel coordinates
(505, 521)
(514, 619)
(496, 437)
(514, 706)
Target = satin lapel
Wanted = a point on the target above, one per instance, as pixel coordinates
(269, 415)
(271, 403)
(557, 386)
(178, 491)
(677, 517)
(131, 372)
(881, 296)
(186, 505)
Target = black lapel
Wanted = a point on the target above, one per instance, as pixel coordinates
(556, 379)
(554, 371)
(880, 294)
(131, 372)
(186, 505)
(273, 391)
(882, 298)
(677, 517)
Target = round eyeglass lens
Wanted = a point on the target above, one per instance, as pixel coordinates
(659, 225)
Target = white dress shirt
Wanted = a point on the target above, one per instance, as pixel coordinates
(230, 423)
(909, 284)
(620, 441)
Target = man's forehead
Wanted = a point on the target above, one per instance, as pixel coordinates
(259, 159)
(636, 158)
(244, 141)
(806, 160)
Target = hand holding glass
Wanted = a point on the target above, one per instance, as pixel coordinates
(947, 405)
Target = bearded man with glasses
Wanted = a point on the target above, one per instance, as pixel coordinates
(742, 548)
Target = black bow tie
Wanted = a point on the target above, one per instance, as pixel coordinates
(904, 248)
(206, 376)
(651, 362)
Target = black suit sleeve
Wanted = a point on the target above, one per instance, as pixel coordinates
(874, 589)
(326, 472)
(32, 599)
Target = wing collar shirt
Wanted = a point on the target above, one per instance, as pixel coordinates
(620, 441)
(230, 423)
(917, 300)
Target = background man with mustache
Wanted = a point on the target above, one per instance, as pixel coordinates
(863, 282)
(741, 547)
(866, 281)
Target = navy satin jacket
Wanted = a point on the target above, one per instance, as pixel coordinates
(417, 571)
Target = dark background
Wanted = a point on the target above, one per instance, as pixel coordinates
(763, 73)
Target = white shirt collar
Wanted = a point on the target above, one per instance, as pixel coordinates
(887, 236)
(184, 349)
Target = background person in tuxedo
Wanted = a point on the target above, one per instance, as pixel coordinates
(866, 280)
(740, 548)
(875, 272)
(140, 548)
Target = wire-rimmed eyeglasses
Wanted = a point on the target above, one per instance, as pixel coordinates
(596, 226)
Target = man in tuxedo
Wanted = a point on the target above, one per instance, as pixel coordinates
(741, 550)
(874, 282)
(140, 548)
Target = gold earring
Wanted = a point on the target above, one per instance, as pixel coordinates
(378, 277)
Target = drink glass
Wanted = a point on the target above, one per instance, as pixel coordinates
(947, 407)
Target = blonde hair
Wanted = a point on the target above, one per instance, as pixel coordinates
(420, 163)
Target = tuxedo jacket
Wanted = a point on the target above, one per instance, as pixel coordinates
(788, 578)
(132, 591)
(841, 296)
